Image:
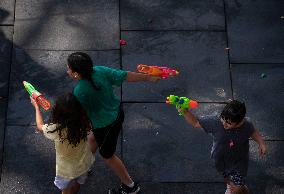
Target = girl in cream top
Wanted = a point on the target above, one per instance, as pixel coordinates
(69, 127)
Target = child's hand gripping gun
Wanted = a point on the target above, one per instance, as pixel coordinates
(163, 72)
(38, 97)
(181, 103)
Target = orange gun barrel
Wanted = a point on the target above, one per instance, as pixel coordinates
(45, 104)
(151, 70)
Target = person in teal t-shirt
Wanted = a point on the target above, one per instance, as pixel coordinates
(95, 92)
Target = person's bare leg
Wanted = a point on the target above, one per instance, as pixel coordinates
(72, 189)
(75, 187)
(239, 189)
(92, 142)
(119, 169)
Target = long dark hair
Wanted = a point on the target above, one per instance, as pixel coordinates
(82, 64)
(68, 113)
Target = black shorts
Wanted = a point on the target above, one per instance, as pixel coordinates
(106, 137)
(235, 177)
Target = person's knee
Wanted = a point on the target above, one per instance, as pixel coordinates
(107, 153)
(243, 189)
(108, 157)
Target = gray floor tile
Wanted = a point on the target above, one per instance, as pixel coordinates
(67, 24)
(46, 70)
(255, 30)
(171, 14)
(6, 33)
(29, 162)
(29, 165)
(160, 146)
(7, 12)
(200, 57)
(3, 107)
(265, 175)
(262, 88)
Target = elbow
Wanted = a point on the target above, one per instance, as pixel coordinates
(39, 128)
(197, 125)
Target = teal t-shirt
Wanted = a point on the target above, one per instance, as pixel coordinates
(101, 105)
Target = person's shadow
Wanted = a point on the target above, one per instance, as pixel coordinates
(27, 157)
(5, 59)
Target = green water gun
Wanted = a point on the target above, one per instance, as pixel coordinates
(181, 103)
(37, 96)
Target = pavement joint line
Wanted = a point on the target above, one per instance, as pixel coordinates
(20, 125)
(182, 182)
(248, 63)
(228, 50)
(6, 25)
(121, 67)
(172, 30)
(9, 77)
(32, 49)
(152, 102)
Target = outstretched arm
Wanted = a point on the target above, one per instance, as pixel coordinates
(191, 119)
(258, 138)
(39, 120)
(136, 77)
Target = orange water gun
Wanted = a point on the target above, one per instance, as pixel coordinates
(163, 72)
(37, 96)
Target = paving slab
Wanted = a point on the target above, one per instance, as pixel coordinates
(7, 12)
(263, 93)
(3, 108)
(29, 162)
(166, 145)
(46, 70)
(159, 146)
(200, 57)
(67, 24)
(255, 31)
(6, 33)
(29, 165)
(266, 175)
(172, 15)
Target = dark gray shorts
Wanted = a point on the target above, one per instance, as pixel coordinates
(235, 177)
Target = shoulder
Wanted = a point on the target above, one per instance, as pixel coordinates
(82, 87)
(209, 118)
(247, 128)
(104, 69)
(49, 131)
(49, 127)
(98, 69)
(248, 123)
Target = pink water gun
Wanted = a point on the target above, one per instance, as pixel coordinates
(163, 72)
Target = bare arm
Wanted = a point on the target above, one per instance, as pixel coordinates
(39, 120)
(191, 119)
(258, 138)
(136, 77)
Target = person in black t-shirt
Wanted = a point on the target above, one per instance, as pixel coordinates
(230, 149)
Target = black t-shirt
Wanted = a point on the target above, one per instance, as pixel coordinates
(230, 149)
